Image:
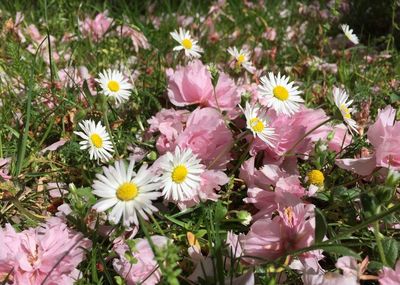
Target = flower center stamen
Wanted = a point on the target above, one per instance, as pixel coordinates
(257, 125)
(240, 59)
(179, 174)
(127, 191)
(316, 177)
(97, 141)
(113, 86)
(345, 111)
(187, 44)
(281, 93)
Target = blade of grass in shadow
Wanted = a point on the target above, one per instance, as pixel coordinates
(24, 137)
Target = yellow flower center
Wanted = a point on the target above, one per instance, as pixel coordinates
(187, 44)
(179, 174)
(281, 93)
(316, 177)
(97, 141)
(345, 111)
(240, 59)
(289, 215)
(257, 125)
(113, 86)
(127, 191)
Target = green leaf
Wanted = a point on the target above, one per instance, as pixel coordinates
(321, 225)
(391, 250)
(339, 249)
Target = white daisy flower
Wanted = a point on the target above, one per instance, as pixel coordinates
(257, 122)
(242, 58)
(342, 102)
(280, 94)
(349, 34)
(181, 174)
(126, 192)
(113, 84)
(96, 139)
(186, 43)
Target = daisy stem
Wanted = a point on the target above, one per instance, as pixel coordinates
(306, 134)
(379, 243)
(107, 123)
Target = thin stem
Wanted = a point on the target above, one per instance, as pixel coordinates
(306, 134)
(379, 243)
(105, 111)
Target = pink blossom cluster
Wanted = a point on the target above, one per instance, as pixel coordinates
(48, 254)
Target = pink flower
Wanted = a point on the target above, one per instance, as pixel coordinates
(211, 180)
(269, 239)
(96, 28)
(207, 136)
(192, 85)
(388, 276)
(48, 254)
(137, 37)
(4, 168)
(145, 270)
(384, 135)
(170, 123)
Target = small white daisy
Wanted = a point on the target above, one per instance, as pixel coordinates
(242, 58)
(186, 43)
(349, 34)
(181, 174)
(280, 94)
(257, 122)
(342, 102)
(127, 192)
(113, 84)
(96, 139)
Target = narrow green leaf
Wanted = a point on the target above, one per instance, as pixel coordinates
(321, 225)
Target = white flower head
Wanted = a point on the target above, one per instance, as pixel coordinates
(279, 94)
(129, 194)
(343, 103)
(181, 174)
(113, 84)
(257, 123)
(349, 34)
(186, 43)
(242, 58)
(96, 139)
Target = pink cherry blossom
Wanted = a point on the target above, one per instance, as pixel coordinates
(145, 270)
(388, 276)
(207, 135)
(384, 136)
(96, 28)
(192, 85)
(269, 239)
(48, 254)
(170, 124)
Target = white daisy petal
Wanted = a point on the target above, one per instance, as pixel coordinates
(279, 94)
(114, 85)
(181, 175)
(186, 43)
(341, 100)
(124, 195)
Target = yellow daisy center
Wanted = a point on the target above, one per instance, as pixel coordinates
(96, 140)
(240, 59)
(257, 125)
(187, 44)
(179, 173)
(127, 191)
(316, 177)
(281, 93)
(113, 85)
(345, 111)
